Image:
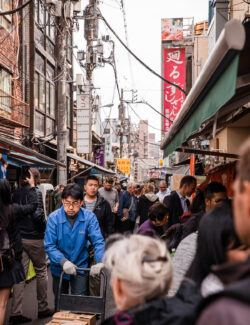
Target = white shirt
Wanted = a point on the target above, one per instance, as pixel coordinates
(161, 194)
(183, 202)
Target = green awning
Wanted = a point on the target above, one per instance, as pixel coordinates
(218, 91)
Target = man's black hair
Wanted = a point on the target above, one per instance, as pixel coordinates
(91, 178)
(157, 211)
(214, 187)
(187, 180)
(73, 190)
(216, 233)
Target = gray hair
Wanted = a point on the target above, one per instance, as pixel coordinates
(130, 184)
(143, 264)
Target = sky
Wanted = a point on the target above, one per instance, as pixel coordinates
(144, 38)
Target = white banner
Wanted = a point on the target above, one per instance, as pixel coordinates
(83, 123)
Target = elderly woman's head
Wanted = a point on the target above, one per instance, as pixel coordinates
(140, 268)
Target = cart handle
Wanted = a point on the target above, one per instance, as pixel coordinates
(87, 270)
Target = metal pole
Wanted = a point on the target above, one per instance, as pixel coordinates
(61, 96)
(121, 118)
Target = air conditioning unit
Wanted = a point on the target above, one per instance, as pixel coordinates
(79, 79)
(77, 6)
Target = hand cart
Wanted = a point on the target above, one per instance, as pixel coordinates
(83, 304)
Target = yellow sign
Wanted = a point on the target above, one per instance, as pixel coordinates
(124, 166)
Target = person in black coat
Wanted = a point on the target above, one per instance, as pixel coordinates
(176, 202)
(94, 202)
(11, 268)
(145, 202)
(132, 262)
(32, 228)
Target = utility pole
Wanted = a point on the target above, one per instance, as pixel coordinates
(61, 97)
(122, 119)
(91, 35)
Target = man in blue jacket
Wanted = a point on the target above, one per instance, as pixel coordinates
(127, 211)
(66, 241)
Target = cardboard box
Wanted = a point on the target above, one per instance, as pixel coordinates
(90, 319)
(66, 322)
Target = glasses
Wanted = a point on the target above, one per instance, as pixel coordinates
(147, 259)
(73, 204)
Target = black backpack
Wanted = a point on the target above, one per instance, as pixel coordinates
(7, 254)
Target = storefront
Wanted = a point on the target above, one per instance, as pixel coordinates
(217, 108)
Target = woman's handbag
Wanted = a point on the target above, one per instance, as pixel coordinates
(126, 211)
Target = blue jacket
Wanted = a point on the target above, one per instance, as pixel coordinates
(125, 202)
(64, 241)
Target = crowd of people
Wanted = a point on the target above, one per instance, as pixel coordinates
(172, 260)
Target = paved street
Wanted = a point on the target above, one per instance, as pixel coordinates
(30, 303)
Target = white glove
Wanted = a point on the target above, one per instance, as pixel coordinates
(96, 269)
(69, 268)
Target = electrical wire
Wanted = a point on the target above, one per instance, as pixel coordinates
(10, 12)
(126, 37)
(154, 109)
(142, 119)
(137, 58)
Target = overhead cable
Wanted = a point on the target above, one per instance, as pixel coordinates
(154, 109)
(10, 12)
(142, 119)
(138, 59)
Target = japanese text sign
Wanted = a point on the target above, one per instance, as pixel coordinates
(124, 166)
(174, 71)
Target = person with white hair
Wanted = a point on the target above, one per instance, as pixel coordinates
(141, 272)
(127, 210)
(164, 191)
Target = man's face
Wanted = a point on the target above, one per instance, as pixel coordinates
(131, 190)
(163, 187)
(108, 185)
(189, 189)
(216, 198)
(91, 187)
(241, 204)
(71, 205)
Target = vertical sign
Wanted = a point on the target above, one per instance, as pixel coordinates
(83, 123)
(99, 156)
(174, 71)
(124, 166)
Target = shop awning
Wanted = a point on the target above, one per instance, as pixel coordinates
(20, 159)
(216, 85)
(20, 155)
(90, 164)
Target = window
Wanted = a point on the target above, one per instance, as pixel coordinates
(5, 85)
(50, 126)
(41, 93)
(36, 90)
(6, 21)
(39, 123)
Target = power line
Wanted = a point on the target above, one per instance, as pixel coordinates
(154, 109)
(138, 59)
(10, 12)
(142, 119)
